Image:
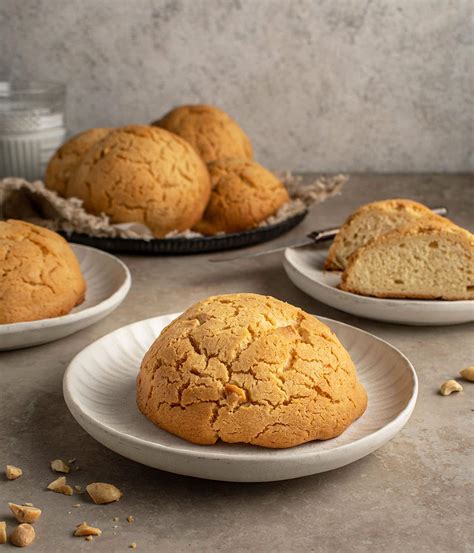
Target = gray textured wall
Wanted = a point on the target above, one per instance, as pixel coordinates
(330, 85)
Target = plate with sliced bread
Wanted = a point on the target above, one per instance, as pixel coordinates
(392, 261)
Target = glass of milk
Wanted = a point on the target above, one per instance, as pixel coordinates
(32, 126)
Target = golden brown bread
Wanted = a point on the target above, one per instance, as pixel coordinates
(40, 275)
(146, 175)
(243, 195)
(63, 164)
(368, 222)
(211, 131)
(430, 259)
(252, 369)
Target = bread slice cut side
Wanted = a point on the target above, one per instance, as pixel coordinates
(430, 259)
(369, 222)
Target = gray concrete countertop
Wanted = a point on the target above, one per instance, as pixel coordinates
(414, 494)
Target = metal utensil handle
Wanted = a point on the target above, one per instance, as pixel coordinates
(328, 234)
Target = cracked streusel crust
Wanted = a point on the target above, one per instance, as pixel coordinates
(252, 369)
(243, 195)
(40, 276)
(211, 132)
(141, 174)
(65, 161)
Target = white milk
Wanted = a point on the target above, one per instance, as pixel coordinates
(30, 132)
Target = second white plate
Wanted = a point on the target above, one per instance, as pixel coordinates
(108, 282)
(99, 389)
(305, 268)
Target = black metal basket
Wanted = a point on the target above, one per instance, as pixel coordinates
(178, 246)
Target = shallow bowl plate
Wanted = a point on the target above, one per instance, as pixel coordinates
(99, 389)
(305, 267)
(108, 282)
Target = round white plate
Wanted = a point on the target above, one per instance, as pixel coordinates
(99, 389)
(305, 267)
(108, 282)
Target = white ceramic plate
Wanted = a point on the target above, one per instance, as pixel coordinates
(99, 389)
(305, 267)
(108, 282)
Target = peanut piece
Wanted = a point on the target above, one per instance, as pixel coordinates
(449, 387)
(101, 492)
(24, 513)
(133, 545)
(468, 373)
(58, 465)
(235, 394)
(13, 472)
(59, 486)
(85, 530)
(3, 532)
(23, 535)
(130, 518)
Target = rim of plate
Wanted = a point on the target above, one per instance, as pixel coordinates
(78, 315)
(369, 299)
(284, 453)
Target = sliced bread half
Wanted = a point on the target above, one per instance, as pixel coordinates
(369, 222)
(430, 259)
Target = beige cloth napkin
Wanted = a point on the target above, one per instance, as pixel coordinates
(33, 202)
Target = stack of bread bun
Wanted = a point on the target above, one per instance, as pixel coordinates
(192, 169)
(401, 249)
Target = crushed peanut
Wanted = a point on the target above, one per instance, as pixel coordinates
(71, 461)
(133, 545)
(13, 472)
(89, 538)
(78, 488)
(58, 465)
(101, 492)
(3, 532)
(449, 387)
(59, 486)
(24, 513)
(115, 519)
(84, 529)
(468, 373)
(130, 518)
(234, 393)
(23, 535)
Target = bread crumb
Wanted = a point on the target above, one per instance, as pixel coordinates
(133, 545)
(78, 488)
(77, 505)
(89, 538)
(13, 472)
(71, 461)
(115, 519)
(28, 504)
(130, 518)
